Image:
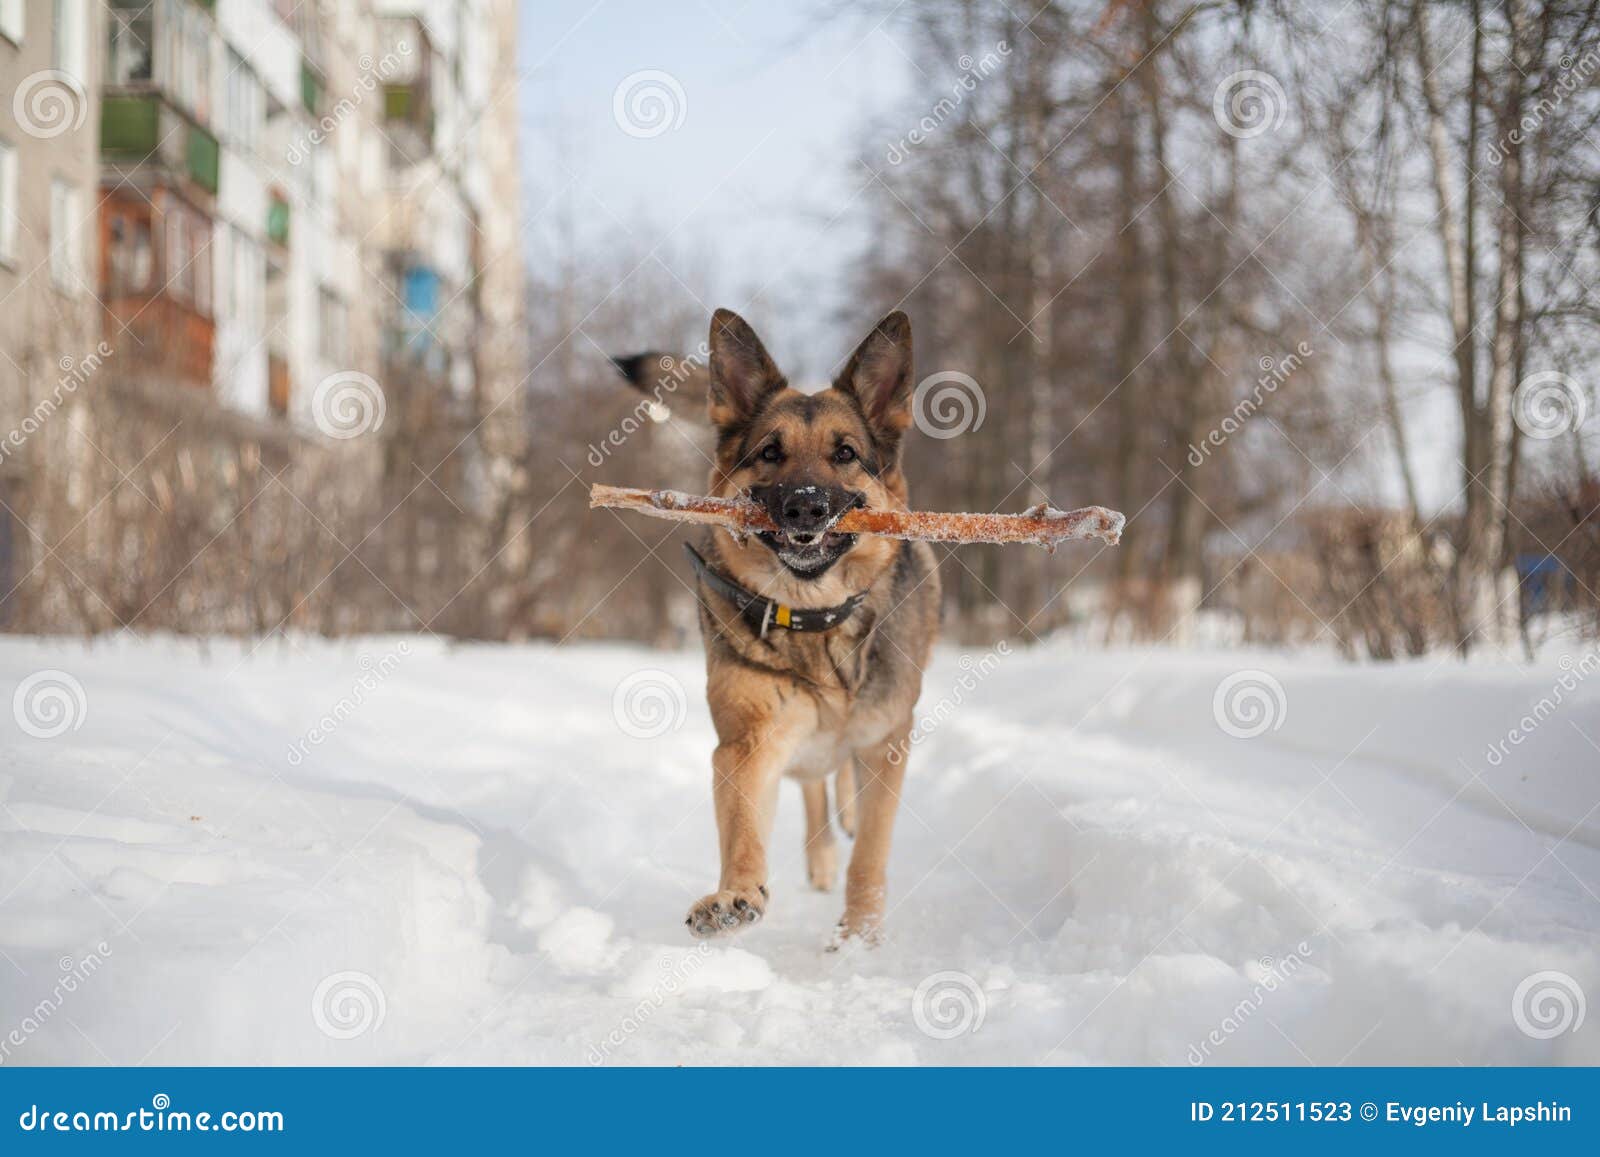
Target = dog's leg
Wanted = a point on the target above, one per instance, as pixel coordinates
(879, 799)
(746, 769)
(844, 793)
(821, 853)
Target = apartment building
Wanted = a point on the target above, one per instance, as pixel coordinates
(49, 319)
(295, 190)
(245, 200)
(49, 123)
(218, 250)
(451, 254)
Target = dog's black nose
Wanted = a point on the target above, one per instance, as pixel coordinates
(805, 510)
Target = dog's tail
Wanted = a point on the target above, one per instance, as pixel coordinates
(680, 384)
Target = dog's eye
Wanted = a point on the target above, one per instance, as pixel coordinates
(772, 452)
(845, 454)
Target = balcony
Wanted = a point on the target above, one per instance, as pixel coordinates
(155, 283)
(408, 105)
(180, 72)
(147, 140)
(156, 104)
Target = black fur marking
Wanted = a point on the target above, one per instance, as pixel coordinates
(737, 433)
(907, 573)
(630, 367)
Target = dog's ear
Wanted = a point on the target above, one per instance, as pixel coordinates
(878, 374)
(681, 384)
(742, 373)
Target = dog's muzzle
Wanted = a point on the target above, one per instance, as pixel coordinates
(804, 513)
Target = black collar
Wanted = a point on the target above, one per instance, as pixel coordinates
(763, 613)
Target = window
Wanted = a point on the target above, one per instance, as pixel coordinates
(70, 44)
(278, 219)
(335, 323)
(223, 305)
(248, 273)
(131, 29)
(176, 228)
(188, 242)
(199, 48)
(244, 103)
(200, 263)
(11, 19)
(129, 254)
(8, 203)
(185, 56)
(66, 236)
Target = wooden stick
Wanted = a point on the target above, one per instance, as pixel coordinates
(1040, 525)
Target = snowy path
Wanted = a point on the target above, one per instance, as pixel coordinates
(503, 871)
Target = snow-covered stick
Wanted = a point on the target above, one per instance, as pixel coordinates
(1040, 525)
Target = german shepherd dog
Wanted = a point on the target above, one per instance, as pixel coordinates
(815, 640)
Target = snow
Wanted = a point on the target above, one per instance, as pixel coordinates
(395, 850)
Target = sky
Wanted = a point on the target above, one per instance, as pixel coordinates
(745, 175)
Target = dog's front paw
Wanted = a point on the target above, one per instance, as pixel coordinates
(727, 911)
(864, 928)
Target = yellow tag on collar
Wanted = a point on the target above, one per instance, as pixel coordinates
(782, 617)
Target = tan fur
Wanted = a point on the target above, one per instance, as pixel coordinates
(821, 851)
(844, 795)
